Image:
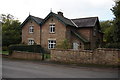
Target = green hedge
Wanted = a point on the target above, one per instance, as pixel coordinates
(4, 48)
(113, 45)
(26, 48)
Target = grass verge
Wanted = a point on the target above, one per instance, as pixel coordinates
(5, 52)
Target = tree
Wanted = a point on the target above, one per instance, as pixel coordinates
(11, 32)
(107, 28)
(116, 12)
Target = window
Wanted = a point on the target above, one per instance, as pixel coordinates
(51, 44)
(30, 42)
(31, 29)
(52, 28)
(94, 32)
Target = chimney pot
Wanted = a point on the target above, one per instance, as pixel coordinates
(60, 13)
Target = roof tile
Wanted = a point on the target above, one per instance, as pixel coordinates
(85, 22)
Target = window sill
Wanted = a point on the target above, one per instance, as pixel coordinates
(51, 48)
(31, 32)
(51, 32)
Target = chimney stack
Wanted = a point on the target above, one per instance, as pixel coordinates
(60, 13)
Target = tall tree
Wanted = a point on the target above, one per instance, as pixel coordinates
(11, 32)
(107, 28)
(116, 12)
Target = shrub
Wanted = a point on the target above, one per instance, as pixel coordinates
(64, 45)
(4, 48)
(26, 48)
(113, 45)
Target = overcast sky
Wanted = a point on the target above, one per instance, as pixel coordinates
(70, 8)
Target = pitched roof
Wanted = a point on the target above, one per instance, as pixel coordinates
(36, 19)
(64, 20)
(79, 22)
(85, 22)
(80, 37)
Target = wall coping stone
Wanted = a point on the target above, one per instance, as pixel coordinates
(27, 52)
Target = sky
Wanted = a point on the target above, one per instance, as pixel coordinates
(71, 8)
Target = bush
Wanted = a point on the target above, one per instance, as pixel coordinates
(64, 45)
(113, 45)
(4, 48)
(26, 48)
(47, 56)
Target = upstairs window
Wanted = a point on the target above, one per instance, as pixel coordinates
(94, 32)
(51, 44)
(52, 28)
(31, 29)
(30, 42)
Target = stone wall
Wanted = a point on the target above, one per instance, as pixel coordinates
(59, 35)
(99, 56)
(35, 35)
(26, 55)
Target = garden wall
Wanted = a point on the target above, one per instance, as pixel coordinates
(103, 56)
(26, 55)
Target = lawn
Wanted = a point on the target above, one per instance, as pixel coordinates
(5, 52)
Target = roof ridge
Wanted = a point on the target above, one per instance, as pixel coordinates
(85, 18)
(68, 21)
(35, 16)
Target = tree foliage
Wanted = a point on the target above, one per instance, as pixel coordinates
(111, 29)
(116, 12)
(107, 28)
(11, 32)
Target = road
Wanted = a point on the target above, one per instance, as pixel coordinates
(34, 69)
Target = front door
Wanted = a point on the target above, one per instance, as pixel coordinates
(75, 46)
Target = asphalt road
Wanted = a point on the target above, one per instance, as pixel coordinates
(35, 69)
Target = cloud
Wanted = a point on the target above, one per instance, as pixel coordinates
(70, 8)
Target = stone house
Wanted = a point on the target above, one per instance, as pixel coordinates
(80, 33)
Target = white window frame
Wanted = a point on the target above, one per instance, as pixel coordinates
(52, 27)
(51, 43)
(31, 41)
(31, 28)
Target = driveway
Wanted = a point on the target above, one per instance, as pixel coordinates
(37, 69)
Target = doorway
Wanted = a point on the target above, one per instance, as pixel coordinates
(75, 46)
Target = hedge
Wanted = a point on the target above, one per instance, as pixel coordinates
(26, 48)
(113, 45)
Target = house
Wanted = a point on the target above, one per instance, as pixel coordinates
(81, 33)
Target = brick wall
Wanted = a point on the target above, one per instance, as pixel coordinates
(87, 32)
(98, 56)
(26, 55)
